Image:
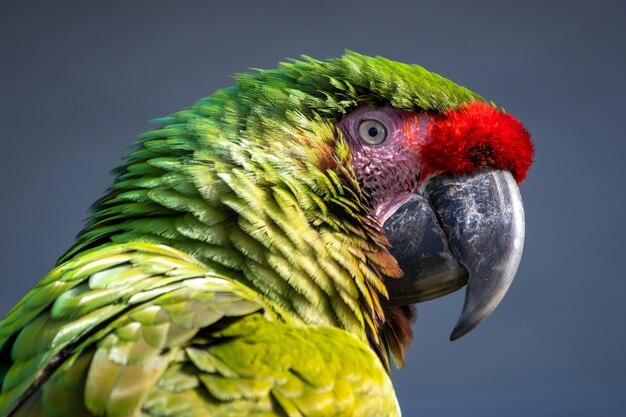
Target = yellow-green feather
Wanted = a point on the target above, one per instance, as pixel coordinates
(183, 334)
(233, 267)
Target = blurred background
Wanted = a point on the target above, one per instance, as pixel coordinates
(79, 80)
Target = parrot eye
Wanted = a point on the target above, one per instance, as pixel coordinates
(372, 132)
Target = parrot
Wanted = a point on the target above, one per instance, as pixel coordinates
(261, 252)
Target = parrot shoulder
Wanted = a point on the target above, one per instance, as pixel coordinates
(143, 328)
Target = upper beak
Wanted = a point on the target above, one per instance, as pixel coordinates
(465, 229)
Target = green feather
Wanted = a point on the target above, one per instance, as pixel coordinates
(234, 266)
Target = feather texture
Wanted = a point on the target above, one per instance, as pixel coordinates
(182, 342)
(233, 268)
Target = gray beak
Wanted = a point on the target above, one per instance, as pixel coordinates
(464, 230)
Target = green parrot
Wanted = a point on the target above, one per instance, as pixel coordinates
(260, 253)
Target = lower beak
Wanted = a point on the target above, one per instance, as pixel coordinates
(465, 229)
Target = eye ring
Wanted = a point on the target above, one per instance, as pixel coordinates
(372, 132)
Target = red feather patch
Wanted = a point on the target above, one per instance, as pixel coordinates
(477, 136)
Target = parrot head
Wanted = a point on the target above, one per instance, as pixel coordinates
(444, 187)
(343, 191)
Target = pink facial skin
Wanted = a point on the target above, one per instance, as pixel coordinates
(388, 172)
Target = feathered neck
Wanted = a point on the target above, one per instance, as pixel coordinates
(284, 218)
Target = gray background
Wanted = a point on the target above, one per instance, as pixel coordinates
(79, 80)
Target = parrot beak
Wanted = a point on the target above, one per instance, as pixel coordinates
(465, 229)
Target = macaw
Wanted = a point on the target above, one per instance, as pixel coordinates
(260, 252)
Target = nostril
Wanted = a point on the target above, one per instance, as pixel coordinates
(481, 156)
